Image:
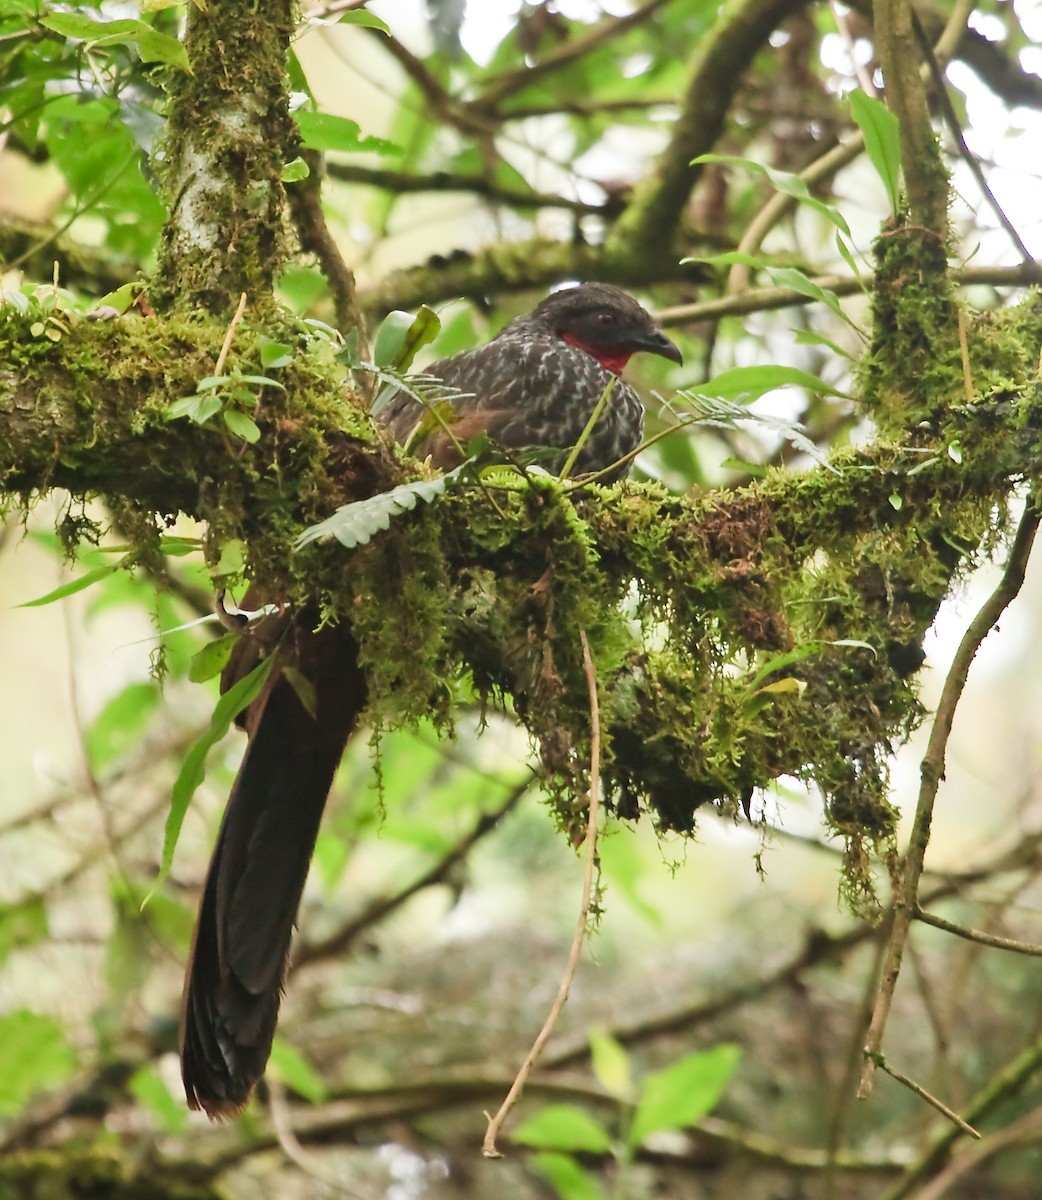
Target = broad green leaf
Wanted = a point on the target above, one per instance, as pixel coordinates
(754, 381)
(289, 1065)
(400, 337)
(611, 1063)
(121, 723)
(151, 45)
(210, 660)
(324, 131)
(563, 1127)
(154, 1096)
(205, 408)
(34, 1054)
(797, 281)
(683, 1093)
(881, 130)
(242, 425)
(274, 354)
(294, 171)
(624, 867)
(72, 587)
(359, 16)
(568, 1179)
(193, 769)
(232, 559)
(123, 297)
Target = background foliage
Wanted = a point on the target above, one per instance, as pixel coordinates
(470, 160)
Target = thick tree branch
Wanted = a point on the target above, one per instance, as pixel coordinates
(926, 180)
(228, 136)
(647, 230)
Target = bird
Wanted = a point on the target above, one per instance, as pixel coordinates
(534, 385)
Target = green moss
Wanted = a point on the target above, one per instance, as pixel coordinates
(739, 636)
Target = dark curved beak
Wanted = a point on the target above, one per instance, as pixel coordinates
(656, 342)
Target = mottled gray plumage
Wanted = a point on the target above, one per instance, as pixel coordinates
(537, 382)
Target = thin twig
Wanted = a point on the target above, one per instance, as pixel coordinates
(932, 772)
(765, 299)
(226, 345)
(964, 352)
(1000, 1089)
(1025, 1128)
(523, 77)
(382, 907)
(281, 1120)
(978, 935)
(923, 1094)
(488, 1147)
(967, 155)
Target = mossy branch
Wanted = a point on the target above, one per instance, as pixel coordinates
(926, 180)
(781, 622)
(228, 135)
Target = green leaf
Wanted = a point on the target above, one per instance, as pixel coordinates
(296, 1072)
(294, 171)
(22, 924)
(400, 337)
(205, 408)
(193, 769)
(123, 297)
(242, 425)
(121, 723)
(789, 686)
(797, 281)
(611, 1064)
(754, 381)
(683, 1093)
(232, 559)
(895, 501)
(882, 133)
(569, 1180)
(563, 1127)
(786, 183)
(34, 1054)
(211, 659)
(274, 354)
(811, 337)
(324, 131)
(728, 259)
(73, 586)
(359, 16)
(153, 1094)
(354, 524)
(151, 45)
(955, 452)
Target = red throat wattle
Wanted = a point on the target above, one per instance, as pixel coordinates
(614, 361)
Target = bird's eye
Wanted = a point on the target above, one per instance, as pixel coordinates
(605, 319)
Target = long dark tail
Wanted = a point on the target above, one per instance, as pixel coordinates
(237, 965)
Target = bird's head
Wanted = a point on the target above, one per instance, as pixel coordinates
(606, 322)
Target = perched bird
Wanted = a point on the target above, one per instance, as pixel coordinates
(535, 384)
